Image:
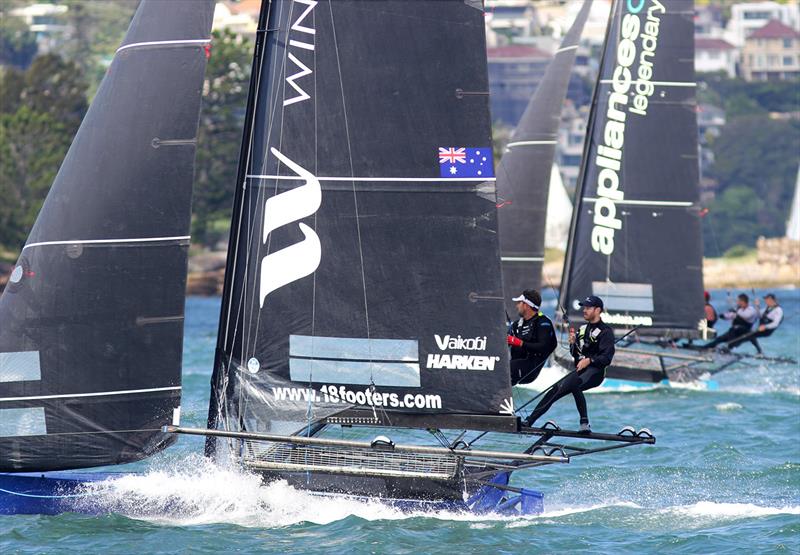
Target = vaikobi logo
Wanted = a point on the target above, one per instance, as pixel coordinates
(458, 343)
(461, 362)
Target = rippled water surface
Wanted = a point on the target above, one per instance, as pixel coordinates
(724, 476)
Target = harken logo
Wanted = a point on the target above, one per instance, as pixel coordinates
(461, 362)
(301, 259)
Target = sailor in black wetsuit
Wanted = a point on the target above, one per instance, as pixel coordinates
(769, 320)
(532, 338)
(593, 350)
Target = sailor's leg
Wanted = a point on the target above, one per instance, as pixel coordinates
(565, 387)
(580, 404)
(740, 336)
(525, 371)
(590, 378)
(754, 341)
(719, 339)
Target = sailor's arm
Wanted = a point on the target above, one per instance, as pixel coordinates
(750, 314)
(606, 349)
(775, 316)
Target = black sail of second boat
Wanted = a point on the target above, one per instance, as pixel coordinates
(364, 279)
(91, 322)
(636, 238)
(523, 174)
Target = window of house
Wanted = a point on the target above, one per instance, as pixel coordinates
(787, 60)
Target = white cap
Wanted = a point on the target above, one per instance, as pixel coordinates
(526, 300)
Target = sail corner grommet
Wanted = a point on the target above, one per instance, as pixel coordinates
(253, 365)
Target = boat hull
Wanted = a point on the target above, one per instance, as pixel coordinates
(648, 370)
(418, 494)
(50, 493)
(53, 493)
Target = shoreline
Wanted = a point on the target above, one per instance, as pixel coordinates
(207, 273)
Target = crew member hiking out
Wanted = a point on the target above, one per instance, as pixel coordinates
(769, 320)
(532, 338)
(592, 350)
(744, 316)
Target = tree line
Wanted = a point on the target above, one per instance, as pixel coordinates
(756, 159)
(43, 100)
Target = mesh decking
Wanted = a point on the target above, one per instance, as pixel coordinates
(284, 456)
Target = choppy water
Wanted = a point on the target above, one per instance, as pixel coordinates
(724, 477)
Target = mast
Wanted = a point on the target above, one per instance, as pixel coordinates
(364, 286)
(579, 187)
(92, 318)
(636, 237)
(219, 373)
(523, 175)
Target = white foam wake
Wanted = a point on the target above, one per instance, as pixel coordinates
(713, 510)
(195, 491)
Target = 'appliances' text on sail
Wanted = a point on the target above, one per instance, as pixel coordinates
(609, 154)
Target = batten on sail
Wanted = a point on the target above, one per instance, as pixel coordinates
(92, 318)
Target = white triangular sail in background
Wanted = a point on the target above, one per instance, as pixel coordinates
(793, 225)
(559, 213)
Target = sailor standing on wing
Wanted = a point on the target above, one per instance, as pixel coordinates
(592, 350)
(532, 338)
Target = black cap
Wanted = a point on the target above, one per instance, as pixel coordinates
(592, 300)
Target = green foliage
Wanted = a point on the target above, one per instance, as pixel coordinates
(761, 96)
(738, 251)
(761, 155)
(32, 146)
(17, 43)
(96, 29)
(220, 134)
(40, 111)
(55, 87)
(755, 160)
(733, 220)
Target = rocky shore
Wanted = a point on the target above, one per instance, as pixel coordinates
(776, 263)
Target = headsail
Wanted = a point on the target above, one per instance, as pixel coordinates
(523, 174)
(364, 266)
(92, 317)
(636, 238)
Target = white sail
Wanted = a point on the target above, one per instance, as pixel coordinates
(559, 213)
(793, 225)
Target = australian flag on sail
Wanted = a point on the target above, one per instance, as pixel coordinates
(455, 162)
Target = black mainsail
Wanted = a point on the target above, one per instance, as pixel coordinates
(636, 235)
(92, 317)
(364, 283)
(523, 175)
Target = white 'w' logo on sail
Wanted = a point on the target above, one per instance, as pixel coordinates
(301, 259)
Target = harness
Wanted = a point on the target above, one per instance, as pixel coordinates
(764, 318)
